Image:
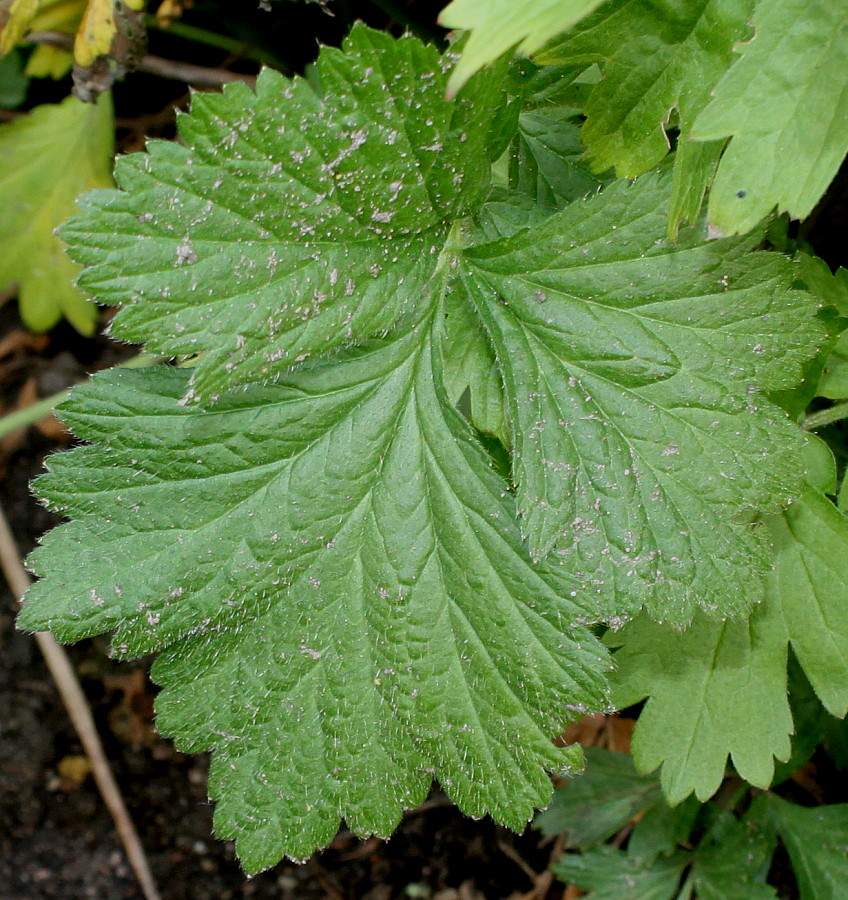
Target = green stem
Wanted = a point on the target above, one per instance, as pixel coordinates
(198, 35)
(826, 416)
(220, 41)
(29, 415)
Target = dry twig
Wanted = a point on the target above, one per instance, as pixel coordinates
(156, 65)
(72, 696)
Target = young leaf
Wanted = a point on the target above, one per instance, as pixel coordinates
(810, 583)
(716, 684)
(499, 25)
(627, 365)
(545, 158)
(710, 688)
(290, 222)
(832, 288)
(470, 365)
(785, 109)
(339, 592)
(47, 159)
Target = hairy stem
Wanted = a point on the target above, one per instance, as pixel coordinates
(826, 416)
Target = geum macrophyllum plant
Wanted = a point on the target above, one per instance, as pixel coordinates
(436, 427)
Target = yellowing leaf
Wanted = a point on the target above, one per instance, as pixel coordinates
(96, 32)
(47, 159)
(59, 15)
(15, 19)
(54, 15)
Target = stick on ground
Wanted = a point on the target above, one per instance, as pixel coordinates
(77, 706)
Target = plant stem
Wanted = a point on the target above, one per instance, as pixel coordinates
(232, 45)
(199, 35)
(826, 416)
(29, 415)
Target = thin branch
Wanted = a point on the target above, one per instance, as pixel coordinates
(156, 65)
(238, 48)
(72, 696)
(29, 415)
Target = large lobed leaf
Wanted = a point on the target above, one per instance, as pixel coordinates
(305, 526)
(627, 363)
(292, 221)
(334, 575)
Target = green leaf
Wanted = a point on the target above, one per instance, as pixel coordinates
(660, 61)
(545, 158)
(809, 583)
(710, 688)
(656, 58)
(470, 365)
(266, 238)
(610, 874)
(813, 724)
(628, 366)
(785, 109)
(339, 593)
(318, 546)
(499, 25)
(13, 82)
(714, 685)
(819, 465)
(734, 864)
(834, 379)
(663, 829)
(817, 841)
(832, 287)
(595, 805)
(47, 159)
